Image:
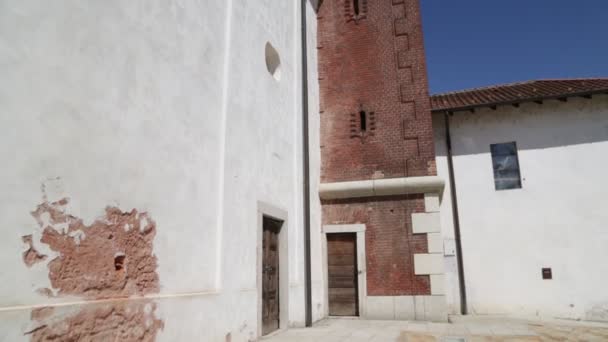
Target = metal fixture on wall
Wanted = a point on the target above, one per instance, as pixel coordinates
(455, 217)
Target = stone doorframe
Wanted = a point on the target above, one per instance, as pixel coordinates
(268, 210)
(359, 229)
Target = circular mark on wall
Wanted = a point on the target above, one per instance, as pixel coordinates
(273, 61)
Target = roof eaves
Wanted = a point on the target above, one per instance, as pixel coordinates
(514, 101)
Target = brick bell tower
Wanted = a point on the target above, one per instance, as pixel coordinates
(378, 170)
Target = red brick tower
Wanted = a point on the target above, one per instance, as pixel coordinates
(378, 161)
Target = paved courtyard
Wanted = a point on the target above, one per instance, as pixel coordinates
(462, 329)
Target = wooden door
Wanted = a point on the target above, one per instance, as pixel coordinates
(342, 272)
(270, 275)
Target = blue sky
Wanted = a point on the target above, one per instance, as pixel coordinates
(473, 43)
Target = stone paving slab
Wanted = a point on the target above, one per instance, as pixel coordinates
(461, 330)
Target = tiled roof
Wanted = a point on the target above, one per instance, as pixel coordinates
(516, 93)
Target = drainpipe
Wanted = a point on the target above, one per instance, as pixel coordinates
(306, 171)
(455, 218)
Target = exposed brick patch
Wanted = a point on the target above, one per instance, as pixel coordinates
(389, 241)
(45, 291)
(120, 321)
(31, 255)
(86, 264)
(108, 259)
(40, 314)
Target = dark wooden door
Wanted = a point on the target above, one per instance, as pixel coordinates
(342, 272)
(270, 275)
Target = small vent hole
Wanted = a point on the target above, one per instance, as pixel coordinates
(356, 6)
(119, 262)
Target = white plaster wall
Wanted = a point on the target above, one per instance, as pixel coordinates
(558, 219)
(167, 107)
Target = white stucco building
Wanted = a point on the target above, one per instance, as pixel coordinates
(163, 117)
(554, 219)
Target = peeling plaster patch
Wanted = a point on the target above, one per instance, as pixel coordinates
(42, 313)
(119, 321)
(44, 220)
(92, 263)
(88, 266)
(52, 189)
(52, 215)
(45, 291)
(31, 256)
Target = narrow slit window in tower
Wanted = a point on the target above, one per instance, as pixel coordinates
(363, 121)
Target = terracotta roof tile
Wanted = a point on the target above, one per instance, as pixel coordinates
(517, 92)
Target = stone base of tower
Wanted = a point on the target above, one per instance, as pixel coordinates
(399, 245)
(407, 308)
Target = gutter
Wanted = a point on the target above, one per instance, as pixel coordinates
(455, 218)
(306, 171)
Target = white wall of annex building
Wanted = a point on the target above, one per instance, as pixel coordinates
(558, 219)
